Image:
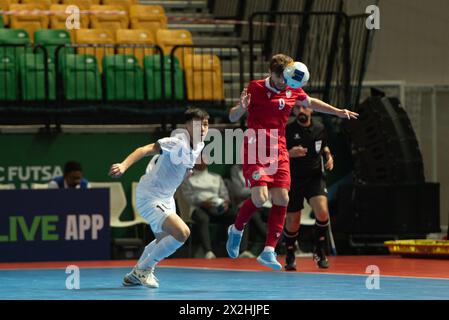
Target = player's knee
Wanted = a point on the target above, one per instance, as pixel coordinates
(185, 233)
(281, 200)
(322, 215)
(284, 200)
(182, 234)
(259, 199)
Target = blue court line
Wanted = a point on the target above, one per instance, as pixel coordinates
(202, 284)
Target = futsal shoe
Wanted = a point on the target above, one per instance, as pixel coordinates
(233, 243)
(268, 259)
(209, 255)
(247, 254)
(143, 277)
(131, 279)
(320, 258)
(290, 261)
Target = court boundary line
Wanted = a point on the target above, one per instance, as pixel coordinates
(236, 270)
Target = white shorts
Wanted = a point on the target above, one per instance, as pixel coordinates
(155, 211)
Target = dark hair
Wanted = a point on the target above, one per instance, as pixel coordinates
(72, 166)
(195, 113)
(278, 63)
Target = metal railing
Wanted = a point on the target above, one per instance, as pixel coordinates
(361, 46)
(320, 38)
(121, 69)
(205, 67)
(107, 83)
(23, 64)
(335, 46)
(25, 90)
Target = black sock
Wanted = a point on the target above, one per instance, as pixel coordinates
(321, 232)
(290, 238)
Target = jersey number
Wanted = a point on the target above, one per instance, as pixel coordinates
(159, 206)
(281, 104)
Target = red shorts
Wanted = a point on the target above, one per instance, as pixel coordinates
(256, 175)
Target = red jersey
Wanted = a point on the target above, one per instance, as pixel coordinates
(270, 108)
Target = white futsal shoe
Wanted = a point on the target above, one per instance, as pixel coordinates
(143, 277)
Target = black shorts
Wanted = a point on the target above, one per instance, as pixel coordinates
(307, 187)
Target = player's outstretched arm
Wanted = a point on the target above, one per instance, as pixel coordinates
(240, 109)
(118, 169)
(323, 107)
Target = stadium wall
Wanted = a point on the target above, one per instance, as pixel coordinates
(411, 43)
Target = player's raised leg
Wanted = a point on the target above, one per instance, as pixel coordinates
(275, 225)
(259, 195)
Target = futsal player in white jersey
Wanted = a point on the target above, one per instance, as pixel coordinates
(173, 161)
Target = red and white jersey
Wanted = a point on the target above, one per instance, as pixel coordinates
(270, 108)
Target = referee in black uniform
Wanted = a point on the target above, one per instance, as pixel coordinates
(307, 143)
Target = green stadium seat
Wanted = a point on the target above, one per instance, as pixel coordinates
(8, 78)
(51, 39)
(2, 25)
(123, 77)
(152, 67)
(14, 37)
(81, 78)
(32, 77)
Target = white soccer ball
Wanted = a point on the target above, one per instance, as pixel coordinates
(296, 75)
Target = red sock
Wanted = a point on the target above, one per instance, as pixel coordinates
(245, 213)
(275, 225)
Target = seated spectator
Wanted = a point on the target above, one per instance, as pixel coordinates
(207, 192)
(72, 178)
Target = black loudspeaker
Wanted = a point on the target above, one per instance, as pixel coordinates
(400, 210)
(384, 145)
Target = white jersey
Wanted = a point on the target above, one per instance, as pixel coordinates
(166, 171)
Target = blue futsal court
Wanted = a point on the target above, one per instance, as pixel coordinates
(212, 284)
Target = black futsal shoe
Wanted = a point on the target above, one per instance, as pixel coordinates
(320, 258)
(290, 261)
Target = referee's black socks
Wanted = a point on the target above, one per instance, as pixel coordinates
(321, 231)
(290, 238)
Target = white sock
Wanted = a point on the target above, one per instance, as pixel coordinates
(167, 246)
(234, 229)
(145, 254)
(268, 249)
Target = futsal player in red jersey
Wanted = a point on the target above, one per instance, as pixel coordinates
(268, 103)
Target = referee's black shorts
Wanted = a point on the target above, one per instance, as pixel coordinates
(305, 187)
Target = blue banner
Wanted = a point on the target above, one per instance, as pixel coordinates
(54, 225)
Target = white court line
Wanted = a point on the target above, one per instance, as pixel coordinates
(235, 270)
